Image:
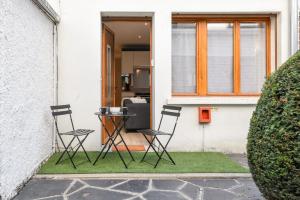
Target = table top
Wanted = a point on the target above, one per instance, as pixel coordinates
(118, 114)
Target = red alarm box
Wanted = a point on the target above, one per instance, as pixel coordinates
(204, 114)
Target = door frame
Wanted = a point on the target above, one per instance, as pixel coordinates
(103, 60)
(103, 74)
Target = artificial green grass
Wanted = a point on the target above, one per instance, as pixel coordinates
(186, 162)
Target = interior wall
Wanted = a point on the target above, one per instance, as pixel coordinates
(26, 92)
(130, 59)
(80, 54)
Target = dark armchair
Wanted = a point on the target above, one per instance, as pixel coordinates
(142, 118)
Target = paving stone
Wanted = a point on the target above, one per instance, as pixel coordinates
(163, 195)
(215, 194)
(75, 187)
(38, 188)
(137, 198)
(136, 186)
(54, 198)
(191, 191)
(249, 192)
(199, 182)
(97, 194)
(213, 189)
(166, 184)
(220, 183)
(104, 183)
(247, 182)
(214, 183)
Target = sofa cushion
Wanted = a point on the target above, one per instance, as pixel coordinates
(138, 100)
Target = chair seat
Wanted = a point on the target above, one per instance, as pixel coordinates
(78, 132)
(152, 132)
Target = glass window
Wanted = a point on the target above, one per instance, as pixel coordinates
(184, 58)
(252, 56)
(220, 57)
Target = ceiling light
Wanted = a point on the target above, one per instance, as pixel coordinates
(146, 23)
(139, 36)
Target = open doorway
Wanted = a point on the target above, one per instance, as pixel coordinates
(126, 74)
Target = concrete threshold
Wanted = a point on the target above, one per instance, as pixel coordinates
(144, 175)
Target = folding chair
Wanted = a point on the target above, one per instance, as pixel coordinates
(60, 110)
(172, 111)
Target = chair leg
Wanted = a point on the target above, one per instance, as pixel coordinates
(66, 151)
(161, 155)
(80, 145)
(145, 153)
(150, 145)
(164, 150)
(159, 158)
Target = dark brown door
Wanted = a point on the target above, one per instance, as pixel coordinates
(108, 83)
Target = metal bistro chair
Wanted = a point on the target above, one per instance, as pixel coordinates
(60, 110)
(173, 111)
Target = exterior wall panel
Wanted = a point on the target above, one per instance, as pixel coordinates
(26, 92)
(80, 56)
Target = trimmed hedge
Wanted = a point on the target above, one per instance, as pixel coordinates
(274, 136)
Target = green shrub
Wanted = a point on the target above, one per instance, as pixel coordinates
(274, 136)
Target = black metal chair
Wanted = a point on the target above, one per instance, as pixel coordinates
(60, 110)
(173, 111)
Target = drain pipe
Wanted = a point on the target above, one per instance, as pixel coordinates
(294, 32)
(45, 7)
(55, 80)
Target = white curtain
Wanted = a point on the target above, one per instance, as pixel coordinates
(220, 57)
(253, 56)
(184, 57)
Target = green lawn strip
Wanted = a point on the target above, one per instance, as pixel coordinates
(186, 162)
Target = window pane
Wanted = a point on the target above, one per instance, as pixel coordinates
(184, 57)
(253, 56)
(220, 57)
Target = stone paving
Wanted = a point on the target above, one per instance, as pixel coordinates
(140, 189)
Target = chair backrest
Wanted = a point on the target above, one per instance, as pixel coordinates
(173, 111)
(60, 110)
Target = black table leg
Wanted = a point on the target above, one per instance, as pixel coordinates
(106, 143)
(112, 138)
(116, 135)
(124, 119)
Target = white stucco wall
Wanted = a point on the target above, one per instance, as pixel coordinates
(80, 58)
(227, 131)
(55, 4)
(26, 92)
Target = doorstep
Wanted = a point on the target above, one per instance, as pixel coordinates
(130, 147)
(145, 175)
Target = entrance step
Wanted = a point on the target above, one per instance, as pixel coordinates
(130, 147)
